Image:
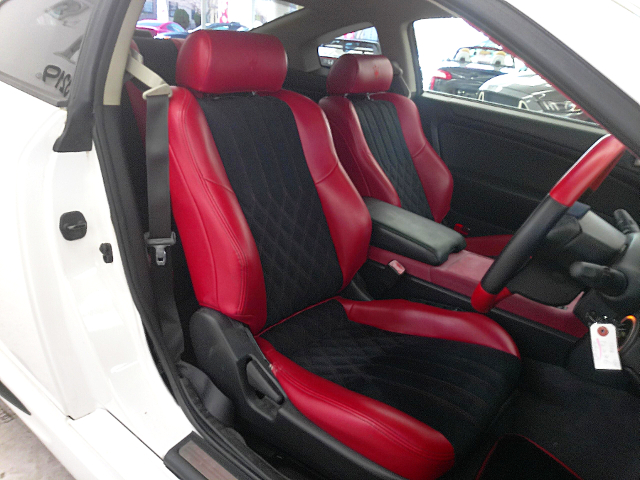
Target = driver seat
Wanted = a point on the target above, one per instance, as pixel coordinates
(273, 230)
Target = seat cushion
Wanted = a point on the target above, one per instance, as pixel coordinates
(454, 387)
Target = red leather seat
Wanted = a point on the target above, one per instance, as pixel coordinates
(273, 230)
(379, 139)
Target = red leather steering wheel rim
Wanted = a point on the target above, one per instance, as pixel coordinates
(588, 172)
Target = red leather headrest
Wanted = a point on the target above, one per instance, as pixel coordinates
(354, 73)
(213, 61)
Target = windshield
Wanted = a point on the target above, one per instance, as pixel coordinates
(611, 51)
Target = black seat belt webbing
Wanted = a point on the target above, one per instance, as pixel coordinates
(160, 236)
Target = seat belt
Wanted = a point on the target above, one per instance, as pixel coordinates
(160, 236)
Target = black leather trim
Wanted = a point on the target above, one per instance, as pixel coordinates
(411, 235)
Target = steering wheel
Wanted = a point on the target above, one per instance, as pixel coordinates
(588, 172)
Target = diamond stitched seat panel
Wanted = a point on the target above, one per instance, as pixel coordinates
(383, 133)
(263, 157)
(454, 387)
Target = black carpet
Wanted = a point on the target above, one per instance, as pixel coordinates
(516, 458)
(592, 429)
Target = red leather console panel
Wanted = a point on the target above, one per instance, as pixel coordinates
(360, 74)
(347, 215)
(354, 153)
(226, 62)
(464, 270)
(377, 431)
(434, 175)
(403, 316)
(221, 253)
(489, 246)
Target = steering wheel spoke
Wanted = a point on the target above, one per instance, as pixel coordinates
(588, 172)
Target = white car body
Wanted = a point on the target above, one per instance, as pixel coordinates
(72, 347)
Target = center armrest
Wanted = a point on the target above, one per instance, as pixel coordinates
(410, 235)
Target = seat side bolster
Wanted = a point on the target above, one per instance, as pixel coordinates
(402, 316)
(434, 175)
(377, 431)
(221, 253)
(347, 215)
(354, 153)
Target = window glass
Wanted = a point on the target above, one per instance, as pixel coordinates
(457, 59)
(42, 40)
(363, 42)
(238, 15)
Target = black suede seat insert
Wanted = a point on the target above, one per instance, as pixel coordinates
(383, 133)
(257, 138)
(454, 387)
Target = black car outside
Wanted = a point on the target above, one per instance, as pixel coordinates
(469, 68)
(529, 91)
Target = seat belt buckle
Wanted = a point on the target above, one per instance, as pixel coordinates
(391, 275)
(397, 266)
(160, 246)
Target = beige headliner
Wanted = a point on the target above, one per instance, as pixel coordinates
(302, 32)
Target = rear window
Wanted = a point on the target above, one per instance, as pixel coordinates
(362, 42)
(174, 27)
(238, 15)
(45, 39)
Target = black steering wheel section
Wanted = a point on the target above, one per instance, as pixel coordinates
(588, 172)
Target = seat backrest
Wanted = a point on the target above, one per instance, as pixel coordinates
(379, 138)
(269, 220)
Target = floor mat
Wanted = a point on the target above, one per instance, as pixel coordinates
(516, 458)
(594, 430)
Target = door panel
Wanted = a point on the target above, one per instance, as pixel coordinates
(504, 161)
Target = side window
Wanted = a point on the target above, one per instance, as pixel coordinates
(363, 42)
(457, 59)
(46, 37)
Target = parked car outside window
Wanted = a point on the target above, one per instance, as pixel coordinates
(482, 70)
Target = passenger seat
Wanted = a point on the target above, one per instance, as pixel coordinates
(379, 139)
